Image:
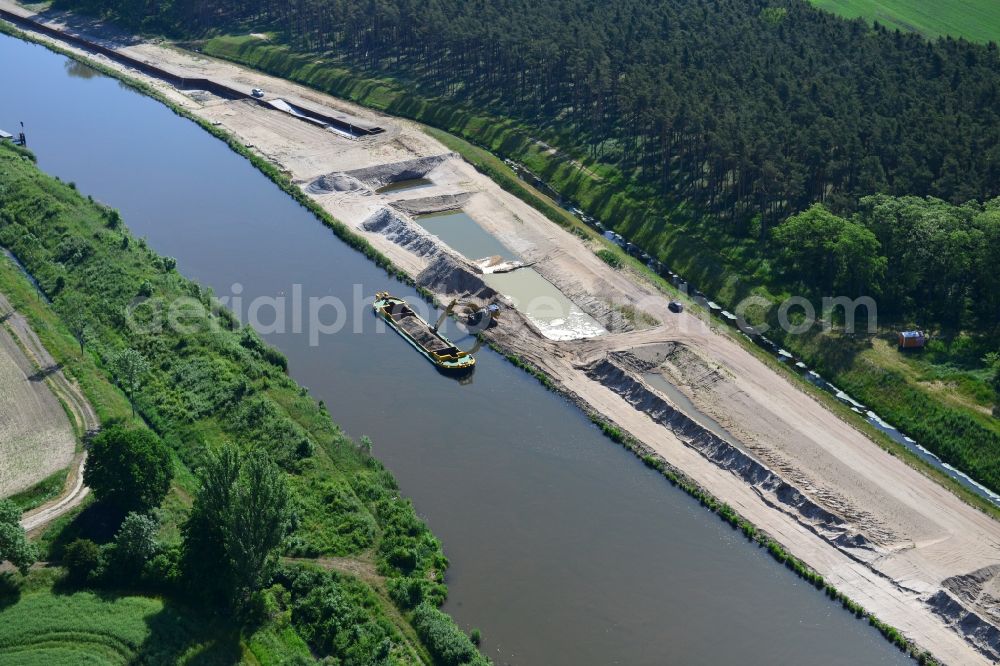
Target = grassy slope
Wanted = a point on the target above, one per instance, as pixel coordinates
(48, 628)
(45, 624)
(726, 269)
(40, 493)
(346, 500)
(975, 20)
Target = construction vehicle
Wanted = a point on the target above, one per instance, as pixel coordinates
(434, 346)
(475, 317)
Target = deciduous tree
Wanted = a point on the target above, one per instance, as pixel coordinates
(129, 468)
(238, 520)
(130, 368)
(14, 545)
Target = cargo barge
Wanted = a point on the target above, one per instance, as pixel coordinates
(425, 338)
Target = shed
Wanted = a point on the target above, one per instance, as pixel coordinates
(5, 136)
(912, 339)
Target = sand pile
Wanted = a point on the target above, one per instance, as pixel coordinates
(402, 232)
(448, 275)
(336, 182)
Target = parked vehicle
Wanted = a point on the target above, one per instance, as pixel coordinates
(257, 92)
(676, 306)
(912, 339)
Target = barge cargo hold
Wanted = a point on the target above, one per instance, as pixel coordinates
(438, 349)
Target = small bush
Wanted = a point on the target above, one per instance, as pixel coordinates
(82, 559)
(610, 258)
(445, 641)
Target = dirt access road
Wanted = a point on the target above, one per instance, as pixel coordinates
(48, 440)
(884, 534)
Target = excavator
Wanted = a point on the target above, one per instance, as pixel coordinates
(477, 318)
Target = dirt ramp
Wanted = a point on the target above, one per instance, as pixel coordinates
(435, 204)
(771, 487)
(394, 172)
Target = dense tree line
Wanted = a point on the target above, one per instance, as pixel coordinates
(744, 107)
(928, 261)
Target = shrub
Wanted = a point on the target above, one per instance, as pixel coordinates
(609, 257)
(332, 614)
(113, 217)
(409, 593)
(163, 571)
(135, 544)
(445, 641)
(82, 559)
(73, 250)
(250, 340)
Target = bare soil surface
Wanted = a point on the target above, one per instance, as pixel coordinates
(36, 438)
(882, 532)
(47, 376)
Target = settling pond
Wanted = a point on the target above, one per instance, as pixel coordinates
(556, 316)
(565, 549)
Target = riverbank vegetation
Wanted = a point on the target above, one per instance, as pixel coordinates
(196, 392)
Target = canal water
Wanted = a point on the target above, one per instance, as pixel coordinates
(565, 549)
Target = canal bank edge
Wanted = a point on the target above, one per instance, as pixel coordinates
(609, 428)
(726, 513)
(525, 192)
(509, 182)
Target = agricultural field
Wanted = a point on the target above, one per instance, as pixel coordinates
(36, 438)
(975, 20)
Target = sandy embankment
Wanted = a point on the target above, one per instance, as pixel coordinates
(881, 532)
